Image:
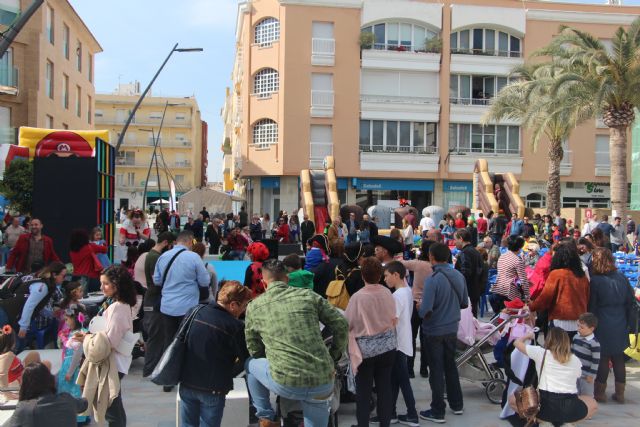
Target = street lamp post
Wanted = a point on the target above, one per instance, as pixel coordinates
(135, 108)
(153, 157)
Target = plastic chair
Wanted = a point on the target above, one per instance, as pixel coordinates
(493, 275)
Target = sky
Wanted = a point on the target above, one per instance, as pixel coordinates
(136, 36)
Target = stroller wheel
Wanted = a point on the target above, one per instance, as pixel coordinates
(496, 372)
(494, 390)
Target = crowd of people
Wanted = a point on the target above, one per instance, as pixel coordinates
(345, 317)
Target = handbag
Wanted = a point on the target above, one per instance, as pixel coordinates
(167, 371)
(374, 345)
(528, 399)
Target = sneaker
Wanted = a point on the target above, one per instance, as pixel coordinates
(376, 420)
(457, 411)
(430, 416)
(408, 421)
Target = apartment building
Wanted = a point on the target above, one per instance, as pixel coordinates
(395, 91)
(182, 141)
(46, 76)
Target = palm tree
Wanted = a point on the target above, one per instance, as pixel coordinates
(529, 100)
(605, 81)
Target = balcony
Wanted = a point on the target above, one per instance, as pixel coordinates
(399, 159)
(483, 52)
(178, 143)
(182, 164)
(8, 80)
(323, 52)
(603, 166)
(318, 151)
(384, 57)
(471, 110)
(383, 107)
(322, 103)
(566, 165)
(500, 161)
(128, 162)
(465, 62)
(114, 121)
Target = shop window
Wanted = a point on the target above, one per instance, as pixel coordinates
(536, 200)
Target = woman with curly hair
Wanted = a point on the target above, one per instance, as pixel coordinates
(566, 291)
(134, 229)
(117, 285)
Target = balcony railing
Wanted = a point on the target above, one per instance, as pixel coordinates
(405, 48)
(320, 46)
(182, 164)
(490, 152)
(471, 101)
(8, 77)
(483, 52)
(383, 99)
(322, 98)
(401, 149)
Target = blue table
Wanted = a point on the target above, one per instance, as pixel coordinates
(230, 270)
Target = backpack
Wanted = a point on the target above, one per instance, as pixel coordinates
(337, 294)
(11, 283)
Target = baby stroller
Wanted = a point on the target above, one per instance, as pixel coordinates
(472, 363)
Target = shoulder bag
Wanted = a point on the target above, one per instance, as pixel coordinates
(528, 399)
(164, 278)
(374, 345)
(167, 371)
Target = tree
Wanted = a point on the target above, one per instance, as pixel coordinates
(17, 185)
(607, 82)
(528, 99)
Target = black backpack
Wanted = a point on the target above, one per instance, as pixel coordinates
(11, 283)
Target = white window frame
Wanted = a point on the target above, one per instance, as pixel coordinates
(50, 24)
(455, 37)
(266, 32)
(266, 82)
(155, 115)
(454, 135)
(265, 133)
(415, 44)
(49, 79)
(78, 101)
(66, 35)
(395, 147)
(65, 91)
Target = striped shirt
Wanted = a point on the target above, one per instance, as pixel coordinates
(510, 268)
(587, 349)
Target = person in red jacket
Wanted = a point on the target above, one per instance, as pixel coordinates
(86, 266)
(31, 248)
(282, 233)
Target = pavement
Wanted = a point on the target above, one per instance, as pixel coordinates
(147, 405)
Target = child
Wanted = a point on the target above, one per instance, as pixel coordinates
(298, 278)
(587, 348)
(556, 235)
(71, 355)
(97, 240)
(394, 276)
(72, 295)
(11, 367)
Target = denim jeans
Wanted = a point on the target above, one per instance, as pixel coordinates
(443, 370)
(400, 381)
(316, 401)
(198, 408)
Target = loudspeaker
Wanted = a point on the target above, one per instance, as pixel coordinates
(272, 245)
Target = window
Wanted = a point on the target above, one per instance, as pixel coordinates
(48, 79)
(266, 82)
(155, 115)
(475, 90)
(50, 24)
(602, 150)
(321, 89)
(400, 36)
(320, 144)
(179, 179)
(536, 200)
(131, 179)
(9, 11)
(490, 139)
(78, 101)
(126, 157)
(265, 132)
(119, 179)
(323, 41)
(398, 136)
(65, 40)
(48, 122)
(99, 113)
(90, 67)
(8, 74)
(180, 116)
(79, 56)
(267, 31)
(180, 137)
(65, 91)
(89, 101)
(483, 41)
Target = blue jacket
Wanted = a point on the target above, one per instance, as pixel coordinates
(216, 351)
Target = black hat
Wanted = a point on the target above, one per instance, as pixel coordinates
(391, 245)
(321, 240)
(353, 251)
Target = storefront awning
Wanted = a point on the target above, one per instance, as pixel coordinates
(392, 184)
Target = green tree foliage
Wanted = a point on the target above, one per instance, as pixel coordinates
(17, 185)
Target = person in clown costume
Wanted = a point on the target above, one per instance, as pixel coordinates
(135, 229)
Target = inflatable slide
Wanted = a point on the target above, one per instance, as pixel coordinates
(319, 194)
(495, 191)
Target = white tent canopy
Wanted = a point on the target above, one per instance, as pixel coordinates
(163, 201)
(214, 201)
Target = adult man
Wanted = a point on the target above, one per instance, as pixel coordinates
(189, 225)
(31, 248)
(162, 221)
(527, 229)
(288, 354)
(174, 222)
(481, 225)
(494, 252)
(445, 293)
(618, 235)
(426, 224)
(216, 351)
(631, 229)
(307, 230)
(352, 226)
(590, 225)
(469, 263)
(244, 217)
(152, 321)
(498, 227)
(334, 231)
(204, 213)
(255, 228)
(183, 278)
(10, 237)
(198, 228)
(213, 236)
(373, 227)
(607, 229)
(516, 226)
(238, 244)
(386, 248)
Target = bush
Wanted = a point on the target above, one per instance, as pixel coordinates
(17, 185)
